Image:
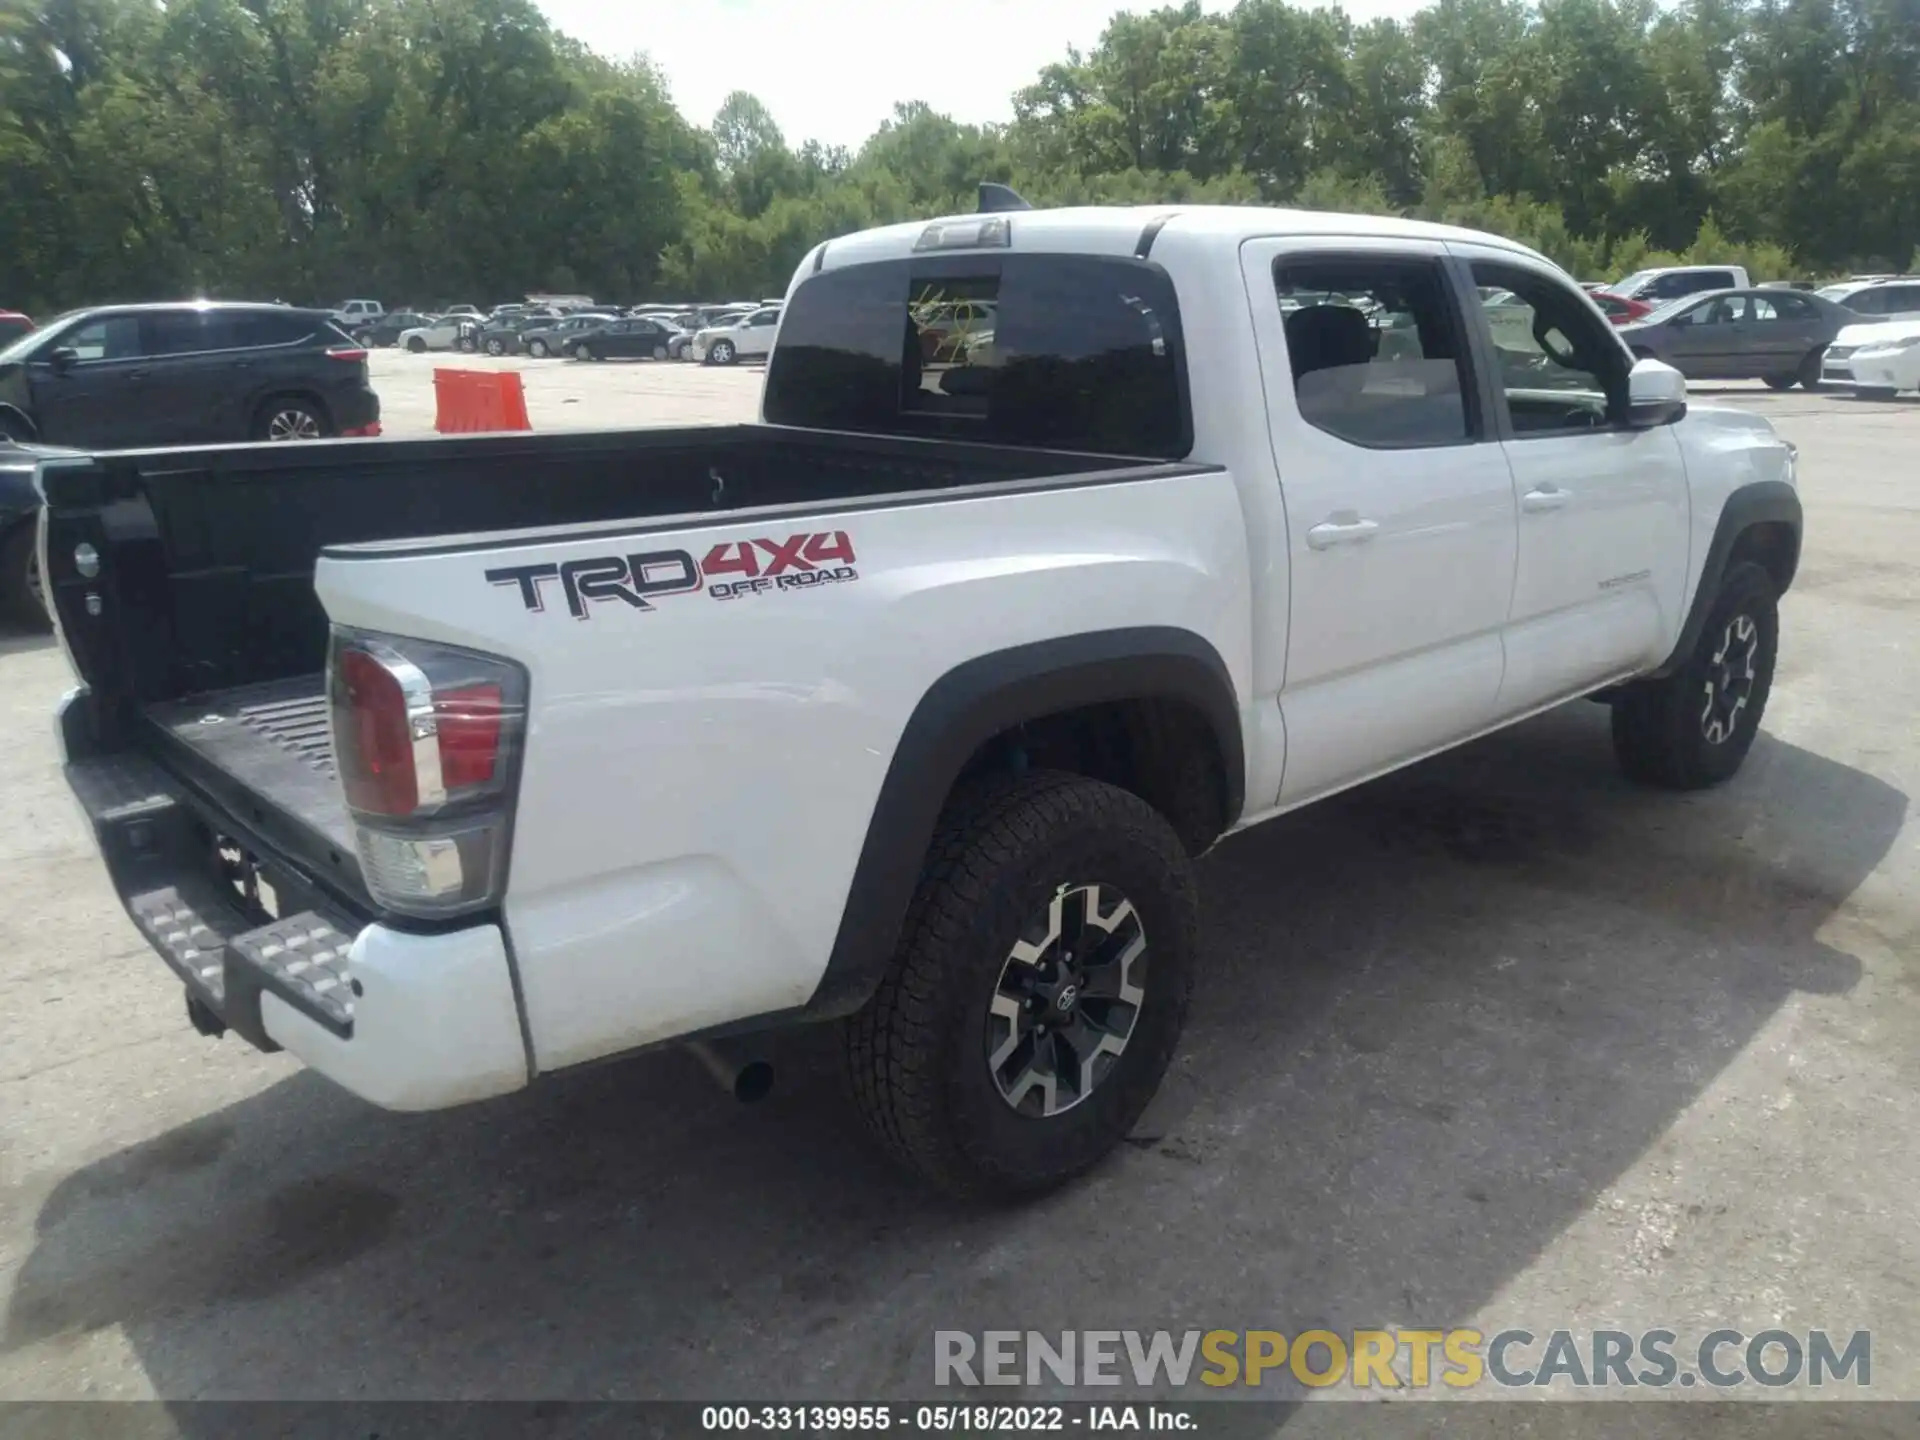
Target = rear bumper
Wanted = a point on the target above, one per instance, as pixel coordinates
(409, 1021)
(355, 412)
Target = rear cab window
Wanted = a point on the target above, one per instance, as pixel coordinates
(1062, 352)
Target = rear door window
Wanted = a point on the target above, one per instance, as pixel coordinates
(1066, 352)
(1378, 351)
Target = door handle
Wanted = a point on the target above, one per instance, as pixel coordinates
(1547, 497)
(1329, 533)
(136, 375)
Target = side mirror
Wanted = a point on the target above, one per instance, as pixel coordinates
(1656, 395)
(63, 358)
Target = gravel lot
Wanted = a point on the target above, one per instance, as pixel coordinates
(1497, 1041)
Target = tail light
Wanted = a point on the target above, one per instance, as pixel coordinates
(353, 353)
(427, 739)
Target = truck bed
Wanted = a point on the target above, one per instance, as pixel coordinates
(196, 627)
(270, 739)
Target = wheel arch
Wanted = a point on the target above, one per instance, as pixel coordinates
(13, 415)
(1158, 683)
(1760, 522)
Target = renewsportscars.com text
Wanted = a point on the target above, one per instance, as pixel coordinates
(1457, 1359)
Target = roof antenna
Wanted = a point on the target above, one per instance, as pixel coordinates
(995, 198)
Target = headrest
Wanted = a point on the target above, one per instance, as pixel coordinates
(1323, 337)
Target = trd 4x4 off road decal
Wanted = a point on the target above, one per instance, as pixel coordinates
(730, 570)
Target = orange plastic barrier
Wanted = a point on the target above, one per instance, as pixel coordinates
(468, 402)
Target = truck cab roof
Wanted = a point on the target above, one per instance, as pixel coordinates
(1134, 230)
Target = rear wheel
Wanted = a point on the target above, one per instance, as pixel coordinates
(292, 417)
(538, 349)
(659, 352)
(584, 351)
(1039, 990)
(467, 345)
(417, 346)
(496, 346)
(1693, 728)
(22, 598)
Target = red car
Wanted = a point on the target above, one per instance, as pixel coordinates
(1619, 309)
(13, 325)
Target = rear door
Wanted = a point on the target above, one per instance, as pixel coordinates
(100, 401)
(755, 336)
(1603, 511)
(192, 375)
(1399, 506)
(1782, 331)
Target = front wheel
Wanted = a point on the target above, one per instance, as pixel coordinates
(1809, 372)
(1693, 728)
(417, 346)
(1039, 990)
(496, 347)
(722, 352)
(467, 345)
(659, 352)
(538, 349)
(22, 597)
(582, 352)
(1778, 382)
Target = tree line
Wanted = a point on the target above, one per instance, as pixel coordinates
(425, 151)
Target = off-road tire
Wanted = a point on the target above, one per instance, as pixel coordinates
(1660, 726)
(916, 1053)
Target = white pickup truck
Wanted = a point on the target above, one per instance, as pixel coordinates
(447, 764)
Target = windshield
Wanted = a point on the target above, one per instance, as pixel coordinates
(1667, 309)
(26, 344)
(1836, 293)
(1621, 287)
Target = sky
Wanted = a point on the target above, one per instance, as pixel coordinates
(832, 70)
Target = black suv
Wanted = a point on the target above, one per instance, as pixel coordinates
(126, 376)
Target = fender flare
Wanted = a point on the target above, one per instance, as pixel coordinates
(1761, 503)
(960, 712)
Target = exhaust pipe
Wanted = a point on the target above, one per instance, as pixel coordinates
(742, 1072)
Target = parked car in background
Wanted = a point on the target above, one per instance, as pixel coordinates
(751, 335)
(472, 310)
(1778, 336)
(449, 332)
(1891, 298)
(1618, 308)
(501, 334)
(1674, 281)
(13, 325)
(388, 329)
(350, 313)
(1877, 359)
(629, 339)
(554, 337)
(123, 376)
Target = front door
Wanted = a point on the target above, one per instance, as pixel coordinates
(1708, 337)
(1603, 509)
(1399, 507)
(99, 401)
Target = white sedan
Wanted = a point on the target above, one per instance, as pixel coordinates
(750, 335)
(451, 332)
(1878, 361)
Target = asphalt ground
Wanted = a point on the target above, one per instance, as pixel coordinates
(1499, 1041)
